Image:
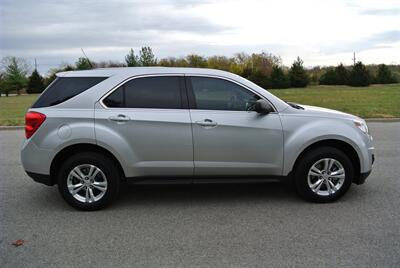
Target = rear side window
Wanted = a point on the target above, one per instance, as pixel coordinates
(64, 88)
(162, 92)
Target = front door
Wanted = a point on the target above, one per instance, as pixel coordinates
(230, 139)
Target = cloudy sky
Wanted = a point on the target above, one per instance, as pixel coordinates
(321, 32)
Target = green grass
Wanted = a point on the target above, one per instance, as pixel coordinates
(13, 108)
(376, 101)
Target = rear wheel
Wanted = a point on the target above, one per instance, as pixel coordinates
(89, 181)
(323, 175)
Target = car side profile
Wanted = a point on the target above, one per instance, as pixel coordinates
(90, 130)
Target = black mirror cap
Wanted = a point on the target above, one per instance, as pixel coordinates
(263, 107)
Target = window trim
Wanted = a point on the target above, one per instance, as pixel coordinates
(182, 88)
(191, 97)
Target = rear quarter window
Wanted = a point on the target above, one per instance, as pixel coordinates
(64, 88)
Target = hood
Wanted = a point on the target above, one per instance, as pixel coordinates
(324, 112)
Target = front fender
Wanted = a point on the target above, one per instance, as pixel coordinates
(301, 132)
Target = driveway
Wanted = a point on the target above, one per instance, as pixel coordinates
(204, 225)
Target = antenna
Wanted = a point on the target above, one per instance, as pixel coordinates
(87, 58)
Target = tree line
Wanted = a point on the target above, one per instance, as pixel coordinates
(264, 69)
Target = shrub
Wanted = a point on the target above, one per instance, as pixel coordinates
(359, 76)
(35, 83)
(278, 78)
(384, 75)
(298, 75)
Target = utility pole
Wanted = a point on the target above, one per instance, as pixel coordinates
(354, 58)
(35, 64)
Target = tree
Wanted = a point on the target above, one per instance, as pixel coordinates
(35, 83)
(329, 77)
(15, 71)
(298, 75)
(83, 64)
(196, 61)
(278, 78)
(342, 75)
(146, 57)
(1, 83)
(131, 59)
(259, 78)
(384, 75)
(359, 76)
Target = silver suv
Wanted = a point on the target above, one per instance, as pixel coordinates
(90, 130)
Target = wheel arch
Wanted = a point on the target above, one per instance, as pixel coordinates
(70, 150)
(345, 147)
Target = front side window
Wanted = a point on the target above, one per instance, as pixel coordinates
(162, 92)
(219, 94)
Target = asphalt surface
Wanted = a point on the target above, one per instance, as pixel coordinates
(207, 225)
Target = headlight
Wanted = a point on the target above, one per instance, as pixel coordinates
(361, 125)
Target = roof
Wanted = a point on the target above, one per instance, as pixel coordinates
(132, 71)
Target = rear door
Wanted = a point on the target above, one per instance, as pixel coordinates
(230, 139)
(148, 121)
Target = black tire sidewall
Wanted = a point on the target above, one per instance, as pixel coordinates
(107, 167)
(311, 158)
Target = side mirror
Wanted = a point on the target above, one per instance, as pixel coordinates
(263, 107)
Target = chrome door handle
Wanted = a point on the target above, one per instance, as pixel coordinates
(121, 118)
(207, 123)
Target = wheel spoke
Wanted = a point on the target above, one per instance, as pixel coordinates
(76, 175)
(315, 187)
(326, 164)
(330, 164)
(87, 195)
(328, 187)
(316, 170)
(78, 171)
(337, 174)
(75, 188)
(333, 186)
(91, 169)
(101, 186)
(95, 173)
(91, 195)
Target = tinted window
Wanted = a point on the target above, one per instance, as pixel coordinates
(64, 88)
(219, 94)
(162, 92)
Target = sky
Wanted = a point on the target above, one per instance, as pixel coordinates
(324, 32)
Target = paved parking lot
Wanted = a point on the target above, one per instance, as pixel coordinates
(207, 225)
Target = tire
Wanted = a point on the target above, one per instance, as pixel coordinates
(328, 184)
(94, 191)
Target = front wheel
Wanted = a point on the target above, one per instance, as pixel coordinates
(88, 181)
(323, 175)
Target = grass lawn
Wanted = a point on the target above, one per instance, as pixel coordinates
(376, 101)
(13, 108)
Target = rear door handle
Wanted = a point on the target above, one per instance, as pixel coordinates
(208, 123)
(121, 118)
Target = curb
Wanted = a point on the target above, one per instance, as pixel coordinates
(11, 127)
(383, 120)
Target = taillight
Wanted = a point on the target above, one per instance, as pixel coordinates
(33, 120)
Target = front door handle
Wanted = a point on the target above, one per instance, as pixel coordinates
(207, 123)
(121, 118)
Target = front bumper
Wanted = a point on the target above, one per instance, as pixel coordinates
(364, 175)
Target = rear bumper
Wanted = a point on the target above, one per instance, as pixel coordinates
(41, 178)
